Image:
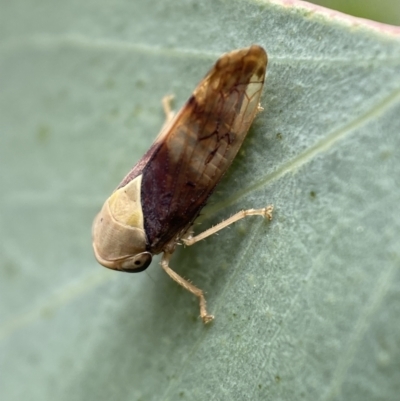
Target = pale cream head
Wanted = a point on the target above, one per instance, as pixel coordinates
(119, 239)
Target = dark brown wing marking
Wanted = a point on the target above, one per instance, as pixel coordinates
(197, 148)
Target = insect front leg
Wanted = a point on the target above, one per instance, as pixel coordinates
(265, 212)
(188, 286)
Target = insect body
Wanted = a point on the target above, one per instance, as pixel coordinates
(155, 205)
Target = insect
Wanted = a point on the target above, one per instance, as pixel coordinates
(154, 207)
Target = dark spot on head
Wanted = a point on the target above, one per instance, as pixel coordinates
(279, 135)
(313, 195)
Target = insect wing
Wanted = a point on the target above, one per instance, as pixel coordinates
(199, 145)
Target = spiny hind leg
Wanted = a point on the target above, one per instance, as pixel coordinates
(265, 212)
(188, 286)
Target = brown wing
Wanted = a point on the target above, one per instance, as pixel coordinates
(196, 149)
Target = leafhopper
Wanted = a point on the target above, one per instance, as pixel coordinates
(154, 207)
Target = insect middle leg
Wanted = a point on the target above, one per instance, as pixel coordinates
(188, 286)
(265, 212)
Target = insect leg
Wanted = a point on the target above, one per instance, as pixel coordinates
(169, 113)
(188, 286)
(266, 212)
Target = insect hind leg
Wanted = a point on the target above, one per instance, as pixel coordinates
(265, 212)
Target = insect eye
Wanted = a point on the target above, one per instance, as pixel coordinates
(137, 263)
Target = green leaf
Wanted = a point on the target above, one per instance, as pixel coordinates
(307, 306)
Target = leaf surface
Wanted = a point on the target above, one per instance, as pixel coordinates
(307, 306)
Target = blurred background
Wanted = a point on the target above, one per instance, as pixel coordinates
(387, 11)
